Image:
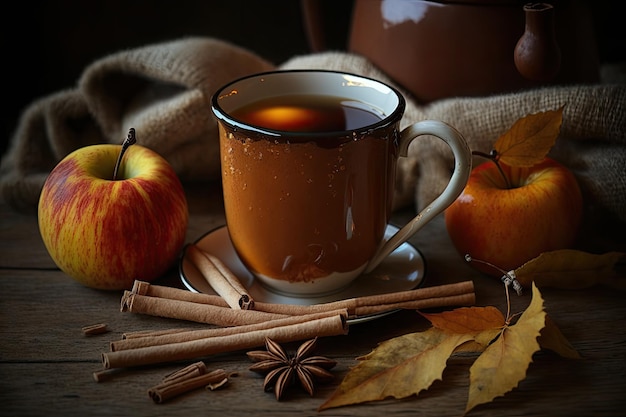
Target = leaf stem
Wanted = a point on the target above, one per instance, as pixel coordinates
(130, 140)
(508, 279)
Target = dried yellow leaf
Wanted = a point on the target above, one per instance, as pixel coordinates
(573, 269)
(483, 323)
(471, 320)
(551, 338)
(530, 138)
(408, 364)
(375, 380)
(504, 363)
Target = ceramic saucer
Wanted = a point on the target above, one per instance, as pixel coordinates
(402, 270)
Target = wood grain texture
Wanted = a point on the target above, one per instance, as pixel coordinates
(46, 363)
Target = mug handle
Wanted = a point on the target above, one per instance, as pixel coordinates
(458, 180)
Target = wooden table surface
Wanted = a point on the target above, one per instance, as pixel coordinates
(46, 363)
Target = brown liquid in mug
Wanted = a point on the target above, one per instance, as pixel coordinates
(301, 113)
(300, 211)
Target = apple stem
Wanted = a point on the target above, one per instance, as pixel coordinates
(493, 157)
(130, 139)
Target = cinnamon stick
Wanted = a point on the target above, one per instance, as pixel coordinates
(186, 310)
(177, 337)
(189, 371)
(221, 279)
(105, 374)
(246, 298)
(94, 329)
(152, 333)
(145, 288)
(328, 326)
(410, 299)
(468, 299)
(390, 301)
(170, 389)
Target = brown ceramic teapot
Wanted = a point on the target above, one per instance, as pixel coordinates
(439, 49)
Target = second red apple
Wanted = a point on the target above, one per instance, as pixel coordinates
(507, 222)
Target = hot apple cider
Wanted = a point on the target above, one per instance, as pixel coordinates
(308, 162)
(316, 187)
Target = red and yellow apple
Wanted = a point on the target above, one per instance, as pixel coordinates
(509, 222)
(106, 233)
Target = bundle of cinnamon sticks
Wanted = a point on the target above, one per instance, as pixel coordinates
(243, 323)
(186, 379)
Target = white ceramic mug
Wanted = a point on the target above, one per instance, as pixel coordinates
(308, 161)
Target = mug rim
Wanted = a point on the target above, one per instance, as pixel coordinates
(226, 118)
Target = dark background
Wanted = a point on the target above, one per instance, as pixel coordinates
(46, 44)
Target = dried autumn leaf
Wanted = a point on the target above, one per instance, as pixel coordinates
(479, 343)
(504, 363)
(398, 368)
(406, 365)
(572, 269)
(467, 319)
(530, 138)
(483, 323)
(551, 338)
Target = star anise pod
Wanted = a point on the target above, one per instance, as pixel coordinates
(281, 370)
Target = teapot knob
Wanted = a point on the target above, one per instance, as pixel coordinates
(537, 54)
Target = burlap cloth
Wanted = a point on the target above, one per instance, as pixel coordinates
(163, 91)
